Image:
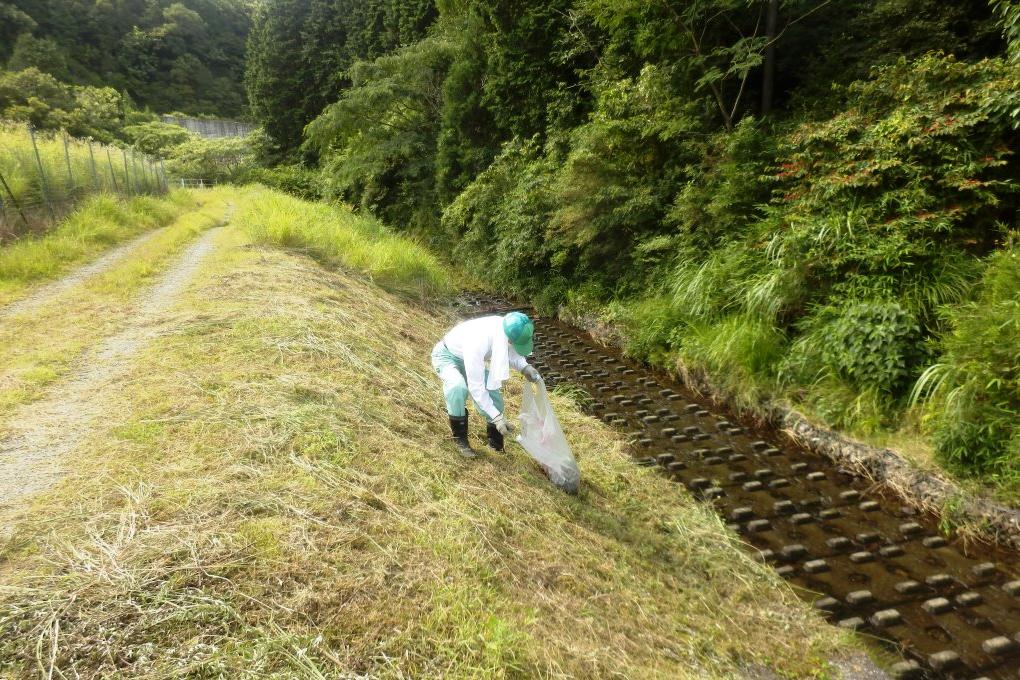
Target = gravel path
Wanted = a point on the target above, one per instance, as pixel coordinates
(48, 291)
(40, 435)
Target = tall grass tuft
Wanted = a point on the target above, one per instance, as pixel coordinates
(741, 350)
(972, 394)
(339, 238)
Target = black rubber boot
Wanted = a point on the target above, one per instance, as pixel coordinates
(495, 438)
(459, 427)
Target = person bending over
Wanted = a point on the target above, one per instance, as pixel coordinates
(460, 359)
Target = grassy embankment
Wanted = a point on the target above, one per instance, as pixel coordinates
(274, 492)
(42, 344)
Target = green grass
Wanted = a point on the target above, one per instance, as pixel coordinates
(69, 174)
(275, 494)
(98, 223)
(66, 175)
(340, 238)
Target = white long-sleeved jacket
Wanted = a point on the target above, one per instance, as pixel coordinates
(478, 341)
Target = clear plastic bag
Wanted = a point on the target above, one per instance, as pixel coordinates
(542, 437)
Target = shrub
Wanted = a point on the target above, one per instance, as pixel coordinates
(973, 392)
(852, 362)
(500, 225)
(874, 345)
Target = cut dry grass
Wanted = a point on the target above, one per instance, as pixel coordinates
(275, 494)
(40, 346)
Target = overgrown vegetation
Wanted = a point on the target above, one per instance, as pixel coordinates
(45, 175)
(267, 497)
(797, 199)
(973, 392)
(338, 237)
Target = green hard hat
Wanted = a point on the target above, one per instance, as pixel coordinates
(520, 330)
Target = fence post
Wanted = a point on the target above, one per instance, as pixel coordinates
(92, 160)
(162, 171)
(134, 173)
(67, 160)
(14, 200)
(127, 175)
(113, 176)
(136, 165)
(42, 174)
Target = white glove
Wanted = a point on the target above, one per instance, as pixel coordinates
(531, 374)
(504, 427)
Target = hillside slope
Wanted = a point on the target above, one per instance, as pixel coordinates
(271, 490)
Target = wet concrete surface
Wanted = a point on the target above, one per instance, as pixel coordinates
(865, 559)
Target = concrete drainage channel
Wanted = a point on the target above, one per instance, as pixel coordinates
(865, 560)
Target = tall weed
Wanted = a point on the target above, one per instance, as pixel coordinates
(973, 393)
(338, 237)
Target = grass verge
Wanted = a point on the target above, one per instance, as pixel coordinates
(275, 494)
(100, 222)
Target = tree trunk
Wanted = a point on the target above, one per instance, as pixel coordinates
(768, 82)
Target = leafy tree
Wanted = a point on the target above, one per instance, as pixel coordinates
(41, 53)
(219, 160)
(300, 50)
(148, 48)
(1008, 12)
(34, 97)
(156, 138)
(381, 136)
(13, 23)
(514, 75)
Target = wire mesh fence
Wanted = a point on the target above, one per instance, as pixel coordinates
(44, 175)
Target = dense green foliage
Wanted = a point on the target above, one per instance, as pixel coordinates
(164, 54)
(974, 389)
(1009, 12)
(299, 52)
(31, 96)
(802, 207)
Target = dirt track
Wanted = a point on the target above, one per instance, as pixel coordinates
(48, 291)
(40, 435)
